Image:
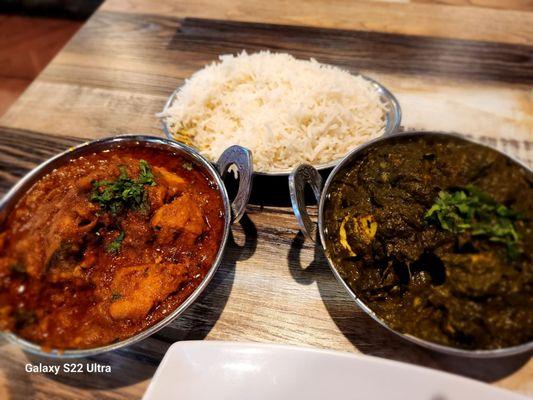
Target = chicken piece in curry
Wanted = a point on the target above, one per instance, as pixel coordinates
(435, 236)
(107, 245)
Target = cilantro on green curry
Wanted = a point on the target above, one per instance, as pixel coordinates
(434, 235)
(475, 212)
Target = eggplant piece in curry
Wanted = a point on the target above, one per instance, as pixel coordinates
(105, 246)
(434, 235)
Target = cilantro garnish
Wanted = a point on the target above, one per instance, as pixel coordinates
(124, 193)
(114, 246)
(473, 211)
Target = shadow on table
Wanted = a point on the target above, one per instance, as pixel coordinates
(372, 339)
(139, 361)
(274, 190)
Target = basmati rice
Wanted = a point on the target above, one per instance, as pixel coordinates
(287, 111)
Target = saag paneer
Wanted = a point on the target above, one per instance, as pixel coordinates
(435, 234)
(107, 245)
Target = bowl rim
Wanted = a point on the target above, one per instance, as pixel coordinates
(393, 118)
(12, 197)
(492, 353)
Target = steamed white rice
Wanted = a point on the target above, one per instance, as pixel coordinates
(287, 111)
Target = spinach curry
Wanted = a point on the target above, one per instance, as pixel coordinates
(434, 235)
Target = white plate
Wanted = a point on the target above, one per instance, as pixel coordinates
(240, 371)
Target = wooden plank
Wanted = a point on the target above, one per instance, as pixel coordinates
(92, 112)
(473, 23)
(23, 150)
(524, 5)
(176, 40)
(293, 299)
(29, 43)
(381, 52)
(10, 90)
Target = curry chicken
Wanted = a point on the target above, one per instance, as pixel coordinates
(107, 245)
(434, 235)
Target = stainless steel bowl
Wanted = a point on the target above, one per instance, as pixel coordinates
(393, 119)
(306, 174)
(234, 155)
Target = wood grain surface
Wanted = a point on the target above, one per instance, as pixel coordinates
(411, 18)
(27, 45)
(460, 66)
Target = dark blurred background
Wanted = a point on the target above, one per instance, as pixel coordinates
(31, 33)
(72, 9)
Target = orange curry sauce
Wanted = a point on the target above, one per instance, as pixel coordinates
(75, 274)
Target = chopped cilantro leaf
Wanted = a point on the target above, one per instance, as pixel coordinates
(124, 193)
(114, 246)
(473, 211)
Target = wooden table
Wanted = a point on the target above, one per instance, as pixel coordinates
(460, 65)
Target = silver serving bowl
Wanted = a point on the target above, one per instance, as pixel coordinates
(306, 174)
(234, 155)
(393, 118)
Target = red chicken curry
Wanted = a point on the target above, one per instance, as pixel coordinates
(106, 246)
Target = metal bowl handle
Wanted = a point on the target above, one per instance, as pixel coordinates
(299, 177)
(241, 157)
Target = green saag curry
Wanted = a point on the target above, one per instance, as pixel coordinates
(434, 234)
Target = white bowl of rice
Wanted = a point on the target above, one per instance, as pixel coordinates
(285, 110)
